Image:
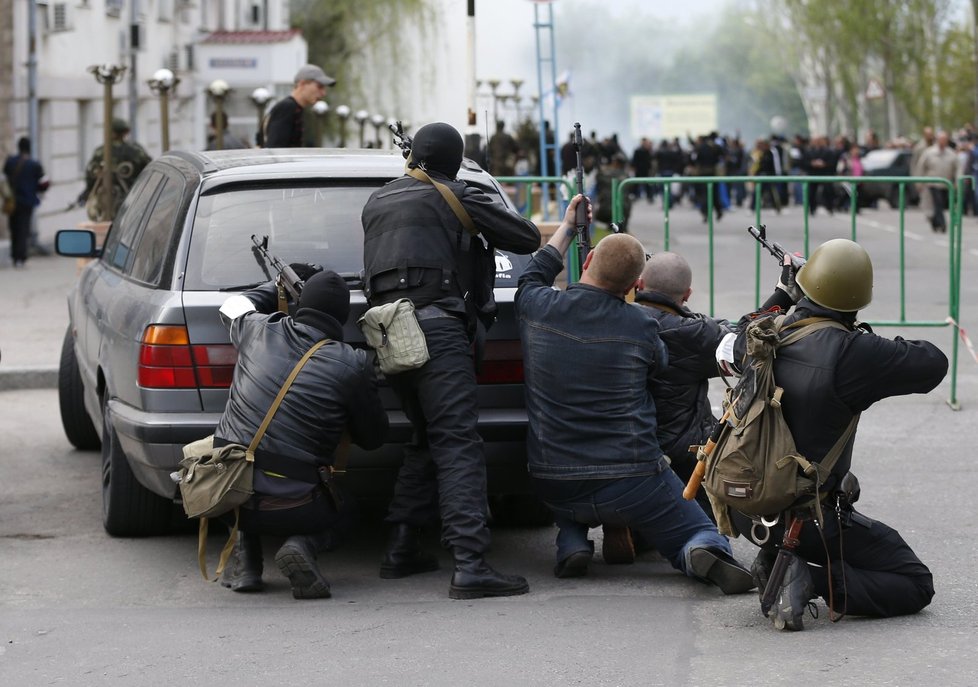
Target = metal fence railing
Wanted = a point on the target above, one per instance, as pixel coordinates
(762, 188)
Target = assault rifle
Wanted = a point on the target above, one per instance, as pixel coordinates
(580, 219)
(775, 248)
(401, 139)
(287, 282)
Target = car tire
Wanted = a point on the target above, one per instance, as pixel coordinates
(76, 421)
(128, 508)
(520, 510)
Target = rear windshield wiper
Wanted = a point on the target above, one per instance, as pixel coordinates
(243, 287)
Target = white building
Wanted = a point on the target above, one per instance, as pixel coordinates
(248, 43)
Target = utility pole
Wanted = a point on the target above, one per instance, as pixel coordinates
(32, 117)
(133, 72)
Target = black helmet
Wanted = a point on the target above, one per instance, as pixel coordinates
(838, 276)
(438, 147)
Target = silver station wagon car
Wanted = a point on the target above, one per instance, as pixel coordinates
(146, 363)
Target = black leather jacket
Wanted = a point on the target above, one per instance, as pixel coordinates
(335, 390)
(681, 391)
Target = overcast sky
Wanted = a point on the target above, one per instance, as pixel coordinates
(506, 39)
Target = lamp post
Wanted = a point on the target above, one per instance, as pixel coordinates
(320, 108)
(260, 97)
(378, 120)
(162, 83)
(108, 75)
(218, 90)
(343, 112)
(493, 85)
(361, 116)
(517, 83)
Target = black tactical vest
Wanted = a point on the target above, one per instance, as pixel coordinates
(415, 247)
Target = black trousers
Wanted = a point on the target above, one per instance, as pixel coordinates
(312, 515)
(938, 196)
(874, 572)
(444, 464)
(20, 232)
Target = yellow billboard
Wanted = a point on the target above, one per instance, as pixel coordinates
(670, 116)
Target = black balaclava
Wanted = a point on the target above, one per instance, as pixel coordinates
(324, 292)
(439, 146)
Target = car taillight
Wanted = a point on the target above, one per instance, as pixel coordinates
(502, 363)
(167, 360)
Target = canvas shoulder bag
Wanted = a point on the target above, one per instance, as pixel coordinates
(392, 330)
(214, 481)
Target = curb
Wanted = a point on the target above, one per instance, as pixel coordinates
(29, 378)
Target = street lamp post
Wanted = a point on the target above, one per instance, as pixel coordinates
(260, 97)
(517, 83)
(343, 112)
(321, 109)
(493, 85)
(361, 116)
(162, 83)
(378, 120)
(108, 75)
(219, 89)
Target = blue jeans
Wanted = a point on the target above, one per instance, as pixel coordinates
(651, 506)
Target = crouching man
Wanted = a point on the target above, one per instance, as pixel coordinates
(590, 361)
(335, 392)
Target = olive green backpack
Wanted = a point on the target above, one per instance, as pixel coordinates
(754, 467)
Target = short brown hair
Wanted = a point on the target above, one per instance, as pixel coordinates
(618, 261)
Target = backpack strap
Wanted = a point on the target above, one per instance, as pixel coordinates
(453, 202)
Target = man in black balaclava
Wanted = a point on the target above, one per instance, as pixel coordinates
(335, 392)
(417, 247)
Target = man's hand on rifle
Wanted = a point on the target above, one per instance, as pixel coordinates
(787, 281)
(305, 270)
(568, 226)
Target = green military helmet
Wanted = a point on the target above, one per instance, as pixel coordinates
(838, 276)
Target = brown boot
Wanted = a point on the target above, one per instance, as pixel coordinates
(618, 548)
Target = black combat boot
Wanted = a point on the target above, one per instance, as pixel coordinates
(297, 561)
(761, 568)
(244, 568)
(474, 578)
(720, 569)
(404, 555)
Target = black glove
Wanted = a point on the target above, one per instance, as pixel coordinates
(304, 270)
(788, 284)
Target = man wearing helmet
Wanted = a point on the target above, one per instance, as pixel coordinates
(417, 247)
(863, 567)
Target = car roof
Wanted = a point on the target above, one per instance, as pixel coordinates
(220, 166)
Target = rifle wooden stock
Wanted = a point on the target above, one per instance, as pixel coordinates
(699, 472)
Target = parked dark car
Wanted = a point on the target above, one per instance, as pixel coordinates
(886, 162)
(146, 363)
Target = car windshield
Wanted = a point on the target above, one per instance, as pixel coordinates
(314, 224)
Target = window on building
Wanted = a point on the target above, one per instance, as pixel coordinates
(114, 8)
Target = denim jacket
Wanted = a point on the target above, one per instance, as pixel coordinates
(589, 359)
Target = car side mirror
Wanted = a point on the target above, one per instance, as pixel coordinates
(76, 243)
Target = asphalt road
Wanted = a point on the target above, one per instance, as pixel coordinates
(80, 608)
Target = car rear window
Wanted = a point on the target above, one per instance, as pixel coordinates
(317, 223)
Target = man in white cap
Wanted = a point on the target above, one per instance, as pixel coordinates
(283, 125)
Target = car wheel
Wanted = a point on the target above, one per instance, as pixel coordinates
(520, 510)
(77, 424)
(128, 508)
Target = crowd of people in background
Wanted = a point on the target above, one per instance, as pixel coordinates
(951, 155)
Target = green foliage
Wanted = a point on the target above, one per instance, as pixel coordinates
(924, 58)
(344, 35)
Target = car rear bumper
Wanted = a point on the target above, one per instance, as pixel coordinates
(154, 443)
